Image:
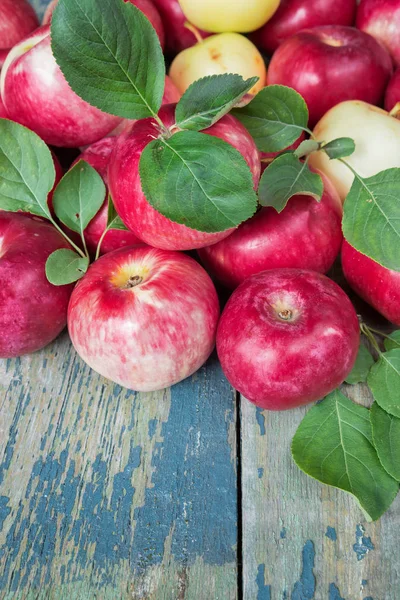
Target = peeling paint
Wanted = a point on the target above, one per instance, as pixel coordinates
(264, 591)
(334, 593)
(260, 420)
(304, 589)
(363, 544)
(282, 534)
(260, 472)
(331, 533)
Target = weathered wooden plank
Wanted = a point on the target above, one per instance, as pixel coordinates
(106, 493)
(301, 539)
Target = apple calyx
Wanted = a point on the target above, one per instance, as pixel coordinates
(284, 311)
(132, 282)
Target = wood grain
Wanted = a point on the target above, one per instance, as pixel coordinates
(301, 539)
(106, 493)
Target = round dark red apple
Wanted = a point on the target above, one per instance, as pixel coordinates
(98, 156)
(17, 20)
(146, 6)
(126, 191)
(330, 64)
(32, 311)
(392, 96)
(287, 337)
(294, 15)
(144, 318)
(378, 286)
(178, 37)
(381, 19)
(35, 94)
(306, 235)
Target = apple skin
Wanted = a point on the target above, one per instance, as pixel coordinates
(36, 94)
(294, 15)
(3, 112)
(32, 311)
(377, 139)
(287, 337)
(331, 64)
(216, 55)
(17, 20)
(392, 96)
(178, 37)
(378, 286)
(220, 16)
(268, 157)
(152, 335)
(98, 156)
(124, 181)
(146, 6)
(381, 19)
(306, 235)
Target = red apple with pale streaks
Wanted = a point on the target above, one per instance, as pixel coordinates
(287, 337)
(36, 94)
(294, 15)
(144, 318)
(126, 190)
(98, 156)
(306, 235)
(17, 20)
(330, 64)
(381, 19)
(178, 37)
(378, 286)
(3, 112)
(146, 6)
(32, 311)
(392, 96)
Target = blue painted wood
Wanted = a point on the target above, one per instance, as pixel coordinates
(111, 494)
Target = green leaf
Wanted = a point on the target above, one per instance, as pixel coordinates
(27, 171)
(393, 341)
(210, 98)
(198, 180)
(79, 196)
(339, 148)
(275, 118)
(334, 445)
(386, 436)
(306, 147)
(110, 55)
(371, 217)
(384, 381)
(114, 221)
(65, 266)
(285, 177)
(364, 362)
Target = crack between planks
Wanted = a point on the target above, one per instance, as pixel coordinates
(239, 497)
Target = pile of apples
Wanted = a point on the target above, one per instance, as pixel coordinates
(146, 314)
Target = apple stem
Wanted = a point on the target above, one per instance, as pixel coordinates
(377, 332)
(195, 31)
(395, 112)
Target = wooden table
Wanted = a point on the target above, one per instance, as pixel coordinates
(186, 494)
(190, 493)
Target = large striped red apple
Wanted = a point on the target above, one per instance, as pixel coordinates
(144, 318)
(287, 337)
(32, 311)
(36, 94)
(17, 20)
(381, 19)
(126, 190)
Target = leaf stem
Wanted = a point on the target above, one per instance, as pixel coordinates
(78, 250)
(370, 336)
(101, 240)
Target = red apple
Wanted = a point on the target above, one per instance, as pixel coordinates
(306, 235)
(146, 6)
(287, 337)
(178, 37)
(98, 156)
(381, 19)
(32, 311)
(330, 64)
(126, 191)
(144, 318)
(294, 15)
(392, 96)
(3, 112)
(35, 94)
(17, 20)
(378, 286)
